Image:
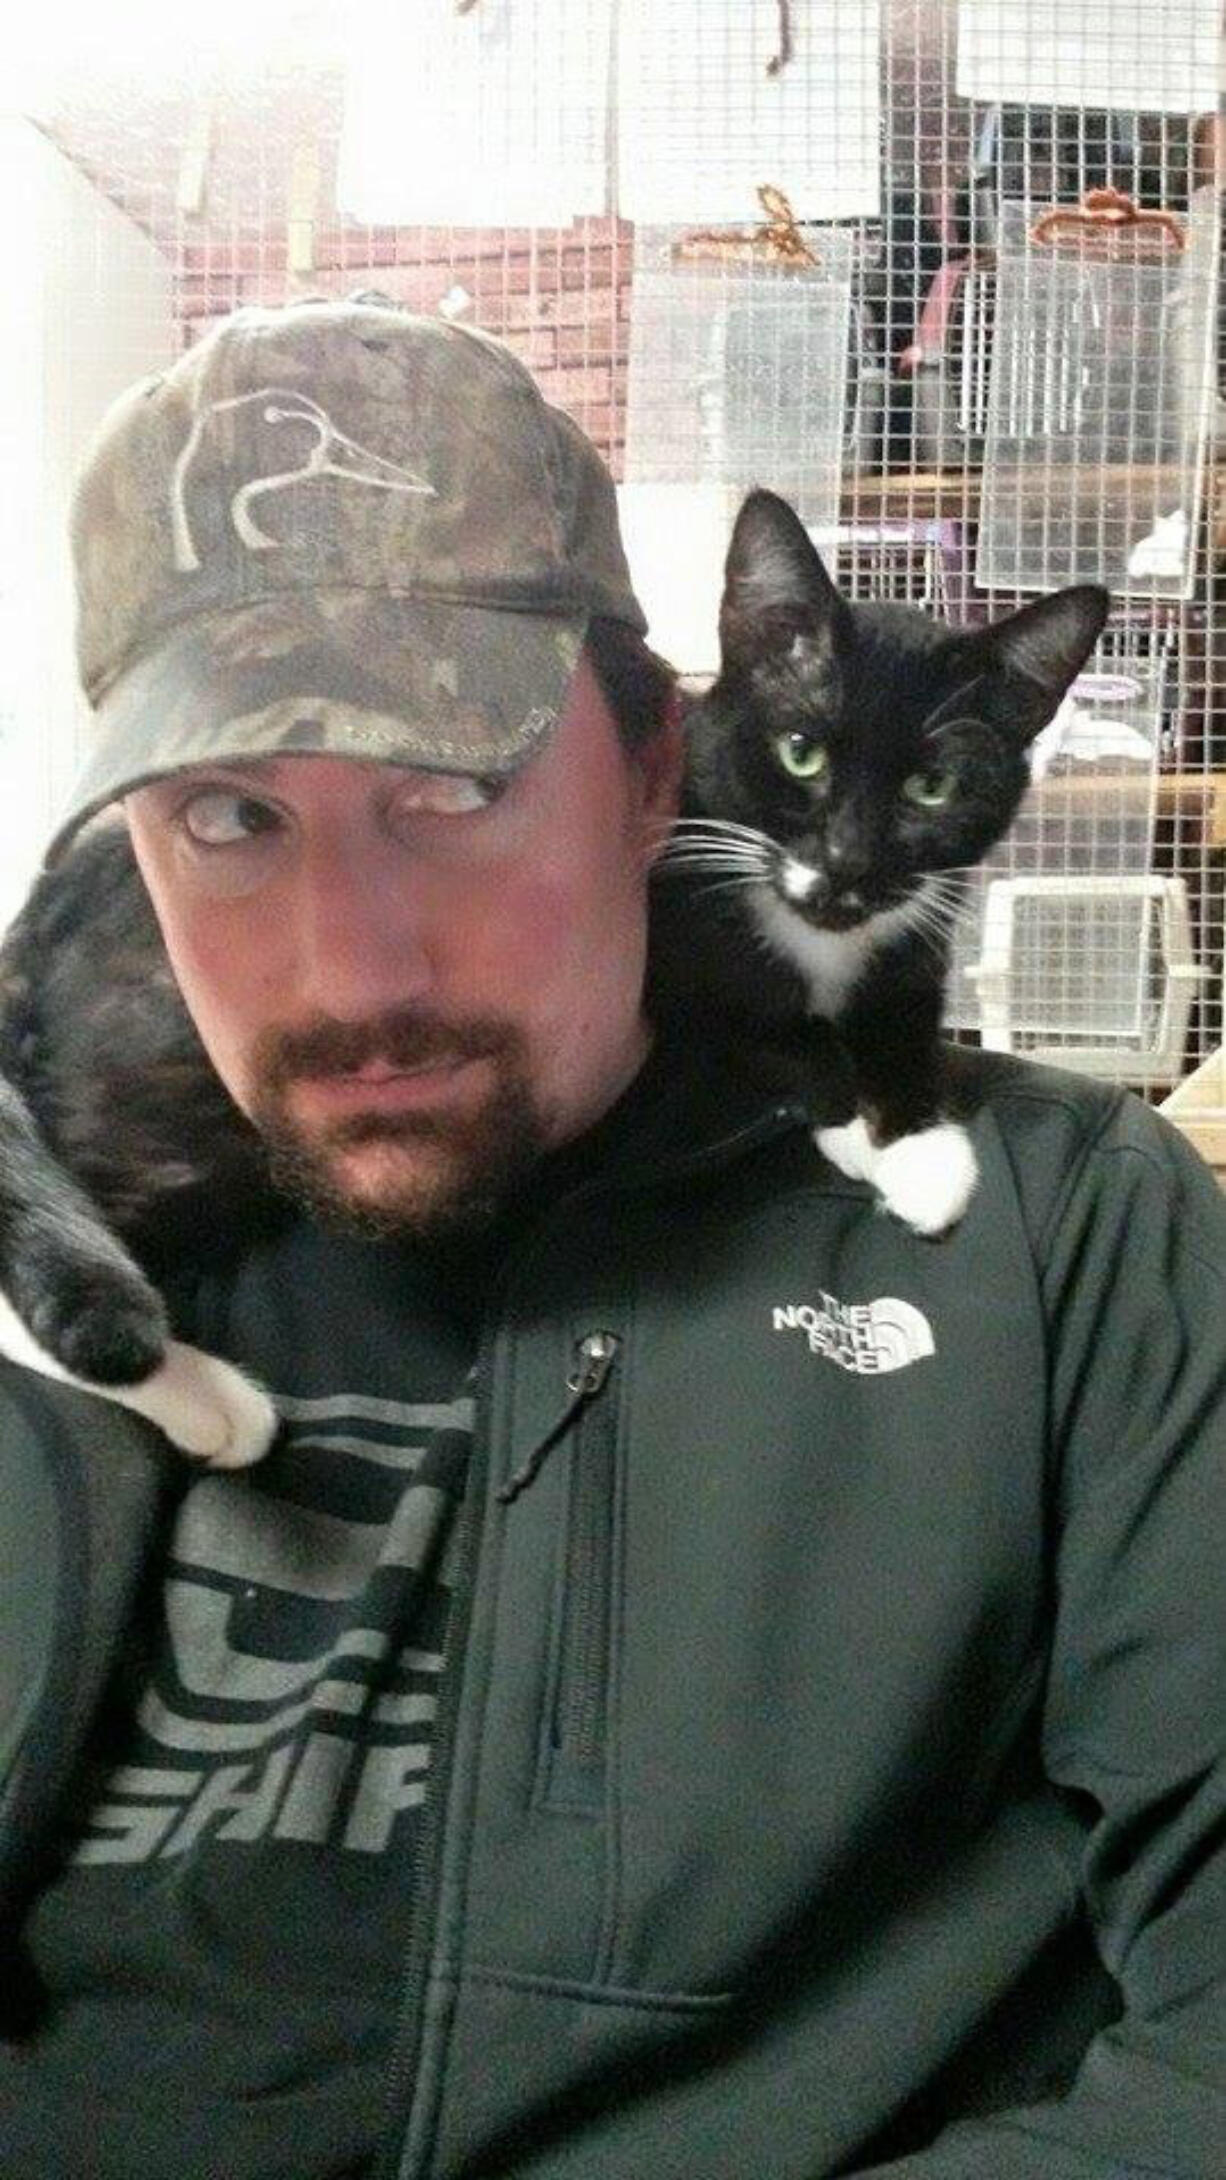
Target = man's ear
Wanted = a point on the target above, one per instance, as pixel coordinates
(661, 762)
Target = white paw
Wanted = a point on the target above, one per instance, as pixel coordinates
(206, 1407)
(850, 1148)
(928, 1179)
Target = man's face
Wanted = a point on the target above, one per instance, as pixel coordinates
(414, 988)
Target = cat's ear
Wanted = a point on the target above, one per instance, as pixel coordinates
(1041, 649)
(776, 588)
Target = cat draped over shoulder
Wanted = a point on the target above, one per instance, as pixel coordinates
(847, 764)
(120, 1153)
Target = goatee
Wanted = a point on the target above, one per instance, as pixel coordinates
(385, 1174)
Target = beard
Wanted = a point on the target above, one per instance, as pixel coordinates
(419, 1174)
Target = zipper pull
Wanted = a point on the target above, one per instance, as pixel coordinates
(596, 1352)
(594, 1356)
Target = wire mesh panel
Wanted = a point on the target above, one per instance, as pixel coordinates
(509, 112)
(741, 373)
(950, 362)
(97, 312)
(717, 97)
(1129, 54)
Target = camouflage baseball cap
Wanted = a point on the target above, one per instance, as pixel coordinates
(335, 527)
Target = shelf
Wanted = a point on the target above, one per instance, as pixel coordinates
(912, 496)
(1197, 1106)
(926, 495)
(1197, 795)
(957, 491)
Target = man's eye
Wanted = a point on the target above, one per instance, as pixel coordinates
(445, 794)
(219, 817)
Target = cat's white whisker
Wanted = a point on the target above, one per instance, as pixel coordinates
(719, 828)
(931, 901)
(715, 857)
(739, 851)
(941, 913)
(954, 718)
(721, 870)
(726, 885)
(677, 849)
(756, 845)
(748, 872)
(932, 927)
(934, 945)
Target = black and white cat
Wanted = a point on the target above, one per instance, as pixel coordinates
(848, 762)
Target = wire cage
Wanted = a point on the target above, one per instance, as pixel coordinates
(949, 363)
(1125, 972)
(1058, 945)
(508, 164)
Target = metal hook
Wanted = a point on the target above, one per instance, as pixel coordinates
(787, 47)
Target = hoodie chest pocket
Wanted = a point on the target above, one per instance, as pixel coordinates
(573, 1756)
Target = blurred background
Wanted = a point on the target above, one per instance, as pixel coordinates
(945, 273)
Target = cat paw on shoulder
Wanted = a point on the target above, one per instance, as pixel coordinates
(850, 1147)
(926, 1180)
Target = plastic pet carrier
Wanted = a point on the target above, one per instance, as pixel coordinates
(1099, 397)
(738, 367)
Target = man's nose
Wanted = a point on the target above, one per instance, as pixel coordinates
(362, 932)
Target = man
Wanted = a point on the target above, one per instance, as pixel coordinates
(706, 1683)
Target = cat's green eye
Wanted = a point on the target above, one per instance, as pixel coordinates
(800, 755)
(930, 790)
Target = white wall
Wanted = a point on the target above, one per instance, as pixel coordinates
(88, 310)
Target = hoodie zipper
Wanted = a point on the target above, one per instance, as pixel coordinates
(412, 2116)
(593, 1362)
(575, 1756)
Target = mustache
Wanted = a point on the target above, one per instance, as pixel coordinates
(402, 1037)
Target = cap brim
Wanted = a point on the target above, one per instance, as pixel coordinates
(412, 681)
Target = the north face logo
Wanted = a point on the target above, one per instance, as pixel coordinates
(868, 1337)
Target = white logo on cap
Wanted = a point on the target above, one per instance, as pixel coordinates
(334, 454)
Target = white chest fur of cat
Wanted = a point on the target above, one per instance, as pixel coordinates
(928, 1178)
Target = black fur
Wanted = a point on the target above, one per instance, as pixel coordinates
(112, 1120)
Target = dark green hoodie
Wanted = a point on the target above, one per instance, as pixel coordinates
(863, 1807)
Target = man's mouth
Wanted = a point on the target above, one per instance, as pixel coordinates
(389, 1086)
(395, 1070)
